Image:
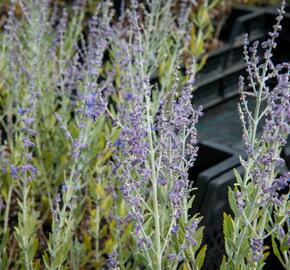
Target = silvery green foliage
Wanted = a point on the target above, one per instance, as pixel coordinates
(260, 208)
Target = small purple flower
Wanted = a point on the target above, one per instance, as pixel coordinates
(29, 120)
(91, 100)
(58, 117)
(279, 184)
(77, 146)
(113, 260)
(180, 257)
(118, 143)
(281, 232)
(257, 249)
(64, 188)
(190, 231)
(28, 143)
(29, 156)
(144, 241)
(171, 257)
(95, 105)
(22, 111)
(14, 172)
(28, 168)
(174, 229)
(174, 198)
(129, 96)
(162, 181)
(68, 135)
(283, 81)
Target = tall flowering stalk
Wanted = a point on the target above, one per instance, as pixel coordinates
(260, 210)
(24, 174)
(88, 105)
(137, 58)
(64, 222)
(155, 148)
(25, 79)
(152, 158)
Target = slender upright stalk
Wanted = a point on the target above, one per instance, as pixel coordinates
(155, 189)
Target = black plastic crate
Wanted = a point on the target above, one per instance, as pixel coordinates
(218, 80)
(218, 59)
(215, 63)
(230, 82)
(253, 24)
(229, 30)
(220, 86)
(213, 159)
(208, 93)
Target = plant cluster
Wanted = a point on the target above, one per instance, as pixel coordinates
(98, 132)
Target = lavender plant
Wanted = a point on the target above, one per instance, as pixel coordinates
(169, 28)
(68, 88)
(156, 147)
(31, 71)
(152, 160)
(24, 174)
(23, 137)
(64, 216)
(148, 47)
(260, 208)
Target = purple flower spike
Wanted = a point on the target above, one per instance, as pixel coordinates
(162, 181)
(28, 168)
(118, 143)
(257, 249)
(22, 111)
(113, 260)
(14, 172)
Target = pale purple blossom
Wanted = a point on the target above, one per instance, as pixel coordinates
(113, 260)
(257, 249)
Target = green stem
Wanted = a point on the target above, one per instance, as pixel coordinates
(48, 188)
(155, 191)
(97, 220)
(7, 209)
(25, 239)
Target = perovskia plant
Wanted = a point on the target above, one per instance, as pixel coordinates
(50, 62)
(97, 153)
(154, 151)
(260, 210)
